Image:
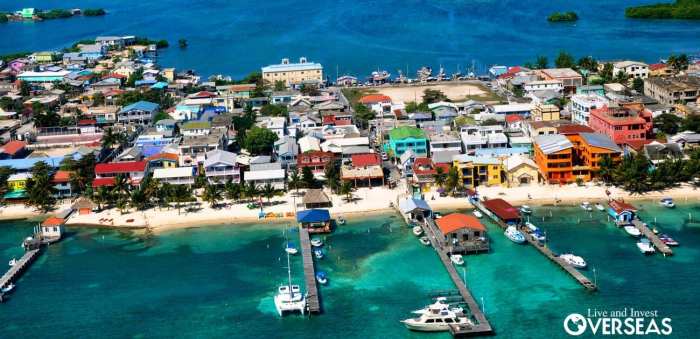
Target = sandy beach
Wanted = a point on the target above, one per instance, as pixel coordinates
(367, 201)
(454, 91)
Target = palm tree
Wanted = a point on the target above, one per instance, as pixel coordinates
(212, 194)
(165, 193)
(268, 191)
(251, 191)
(294, 181)
(452, 180)
(138, 199)
(606, 168)
(109, 138)
(101, 196)
(180, 194)
(440, 176)
(120, 191)
(346, 190)
(233, 190)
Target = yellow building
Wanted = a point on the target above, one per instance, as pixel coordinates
(293, 73)
(543, 112)
(474, 171)
(42, 57)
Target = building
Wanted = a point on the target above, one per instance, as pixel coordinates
(660, 70)
(543, 112)
(673, 90)
(569, 78)
(404, 138)
(315, 220)
(43, 77)
(686, 139)
(293, 74)
(503, 210)
(316, 198)
(657, 152)
(520, 170)
(378, 103)
(591, 90)
(634, 69)
(17, 185)
(543, 85)
(221, 167)
(425, 171)
(519, 109)
(263, 174)
(193, 149)
(315, 160)
(61, 184)
(589, 153)
(462, 233)
(621, 211)
(474, 171)
(622, 124)
(365, 167)
(445, 142)
(554, 158)
(134, 171)
(141, 112)
(175, 175)
(582, 104)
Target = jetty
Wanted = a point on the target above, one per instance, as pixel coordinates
(313, 303)
(22, 264)
(642, 227)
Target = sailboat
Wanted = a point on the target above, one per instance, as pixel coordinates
(289, 297)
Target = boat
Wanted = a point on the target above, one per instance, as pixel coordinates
(291, 249)
(666, 239)
(439, 301)
(437, 317)
(316, 242)
(645, 246)
(425, 241)
(289, 297)
(514, 235)
(525, 209)
(318, 253)
(478, 214)
(633, 231)
(417, 231)
(655, 230)
(321, 277)
(536, 233)
(457, 259)
(573, 260)
(424, 73)
(12, 262)
(341, 221)
(7, 288)
(586, 206)
(599, 207)
(379, 77)
(668, 202)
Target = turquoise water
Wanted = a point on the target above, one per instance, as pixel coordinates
(219, 281)
(358, 36)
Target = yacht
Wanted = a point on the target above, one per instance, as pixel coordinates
(457, 259)
(318, 253)
(7, 288)
(289, 297)
(599, 207)
(379, 77)
(666, 239)
(321, 277)
(12, 262)
(425, 241)
(424, 73)
(478, 214)
(514, 235)
(573, 260)
(645, 246)
(586, 206)
(668, 202)
(439, 302)
(417, 231)
(290, 249)
(525, 209)
(316, 242)
(436, 317)
(633, 231)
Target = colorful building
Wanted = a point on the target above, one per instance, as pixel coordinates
(474, 171)
(554, 158)
(622, 124)
(404, 138)
(17, 185)
(589, 153)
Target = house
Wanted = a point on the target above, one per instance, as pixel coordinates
(315, 220)
(315, 160)
(84, 206)
(92, 51)
(503, 210)
(415, 209)
(221, 167)
(175, 175)
(621, 211)
(162, 160)
(543, 112)
(474, 171)
(134, 171)
(660, 70)
(42, 77)
(103, 115)
(277, 125)
(686, 139)
(582, 104)
(543, 85)
(195, 128)
(52, 229)
(483, 138)
(404, 138)
(622, 124)
(378, 103)
(293, 74)
(520, 170)
(17, 185)
(129, 154)
(308, 144)
(462, 233)
(554, 158)
(568, 77)
(446, 111)
(406, 163)
(519, 109)
(634, 69)
(424, 172)
(363, 167)
(591, 90)
(660, 152)
(316, 198)
(445, 142)
(141, 112)
(61, 184)
(263, 174)
(192, 149)
(673, 90)
(112, 41)
(589, 153)
(14, 149)
(106, 85)
(286, 150)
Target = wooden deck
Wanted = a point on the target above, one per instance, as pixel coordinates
(663, 248)
(22, 264)
(313, 303)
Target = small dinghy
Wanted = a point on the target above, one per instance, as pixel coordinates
(425, 241)
(645, 246)
(478, 214)
(316, 242)
(417, 231)
(457, 259)
(321, 277)
(573, 260)
(12, 262)
(633, 231)
(291, 249)
(7, 288)
(318, 253)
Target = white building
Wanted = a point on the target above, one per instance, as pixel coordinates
(262, 174)
(221, 167)
(635, 69)
(582, 104)
(543, 85)
(277, 125)
(175, 175)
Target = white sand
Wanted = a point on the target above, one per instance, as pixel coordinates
(454, 91)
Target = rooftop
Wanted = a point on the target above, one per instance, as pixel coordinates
(406, 132)
(552, 143)
(455, 221)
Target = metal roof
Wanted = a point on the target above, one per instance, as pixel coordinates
(552, 143)
(600, 140)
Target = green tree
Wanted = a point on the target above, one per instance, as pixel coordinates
(332, 174)
(212, 194)
(452, 182)
(691, 123)
(280, 86)
(638, 85)
(363, 115)
(678, 62)
(294, 180)
(180, 194)
(268, 191)
(588, 63)
(5, 173)
(606, 74)
(251, 191)
(138, 199)
(120, 192)
(668, 123)
(83, 172)
(464, 120)
(412, 107)
(160, 115)
(25, 88)
(133, 77)
(431, 96)
(346, 190)
(271, 110)
(101, 196)
(606, 168)
(564, 60)
(40, 190)
(259, 140)
(440, 176)
(233, 191)
(307, 177)
(541, 62)
(309, 90)
(98, 99)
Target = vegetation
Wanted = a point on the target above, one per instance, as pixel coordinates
(94, 12)
(182, 43)
(40, 190)
(412, 107)
(307, 178)
(157, 96)
(13, 56)
(564, 60)
(363, 115)
(667, 123)
(160, 115)
(259, 140)
(678, 62)
(55, 14)
(637, 175)
(82, 172)
(3, 17)
(5, 173)
(431, 96)
(146, 41)
(279, 86)
(638, 85)
(562, 17)
(681, 9)
(271, 110)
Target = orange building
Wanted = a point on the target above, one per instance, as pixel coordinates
(554, 157)
(592, 149)
(566, 158)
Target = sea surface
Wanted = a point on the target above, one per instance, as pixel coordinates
(235, 37)
(219, 281)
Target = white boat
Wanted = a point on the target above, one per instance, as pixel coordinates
(316, 242)
(318, 253)
(289, 297)
(341, 221)
(478, 214)
(586, 206)
(437, 317)
(666, 239)
(425, 241)
(457, 259)
(439, 302)
(645, 246)
(536, 233)
(514, 235)
(417, 231)
(291, 249)
(573, 260)
(633, 231)
(12, 262)
(525, 209)
(321, 277)
(7, 288)
(668, 202)
(599, 207)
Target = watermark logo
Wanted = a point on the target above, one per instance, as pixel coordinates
(627, 321)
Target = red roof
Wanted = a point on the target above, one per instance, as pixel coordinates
(203, 94)
(637, 144)
(87, 122)
(620, 206)
(120, 167)
(502, 209)
(167, 156)
(365, 159)
(115, 75)
(13, 147)
(61, 176)
(656, 67)
(99, 182)
(426, 166)
(456, 221)
(574, 129)
(53, 221)
(329, 120)
(242, 88)
(374, 98)
(343, 122)
(511, 118)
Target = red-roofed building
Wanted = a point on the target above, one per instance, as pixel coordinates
(503, 210)
(365, 159)
(13, 150)
(364, 167)
(514, 122)
(660, 70)
(378, 103)
(621, 211)
(133, 170)
(61, 181)
(462, 233)
(202, 95)
(622, 124)
(106, 182)
(424, 172)
(52, 229)
(316, 160)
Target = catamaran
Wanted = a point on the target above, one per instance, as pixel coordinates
(289, 297)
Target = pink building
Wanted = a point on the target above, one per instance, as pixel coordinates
(622, 124)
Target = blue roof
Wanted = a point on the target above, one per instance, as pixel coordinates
(313, 215)
(486, 152)
(144, 82)
(412, 204)
(151, 150)
(140, 106)
(159, 85)
(27, 163)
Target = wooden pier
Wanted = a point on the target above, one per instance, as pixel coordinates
(313, 303)
(663, 248)
(22, 264)
(482, 325)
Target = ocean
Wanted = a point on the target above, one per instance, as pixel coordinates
(219, 281)
(359, 36)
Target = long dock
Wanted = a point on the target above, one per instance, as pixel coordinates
(312, 299)
(482, 326)
(573, 272)
(663, 248)
(22, 264)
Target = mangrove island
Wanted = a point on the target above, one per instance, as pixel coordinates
(681, 9)
(562, 17)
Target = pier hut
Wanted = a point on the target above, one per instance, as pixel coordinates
(462, 233)
(84, 206)
(316, 198)
(51, 229)
(315, 220)
(503, 210)
(415, 209)
(621, 211)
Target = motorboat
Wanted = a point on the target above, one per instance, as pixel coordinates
(645, 246)
(457, 259)
(668, 202)
(599, 207)
(379, 77)
(666, 239)
(318, 253)
(655, 230)
(525, 209)
(478, 214)
(417, 231)
(573, 260)
(321, 277)
(514, 235)
(12, 262)
(316, 242)
(341, 221)
(289, 297)
(586, 206)
(439, 302)
(425, 241)
(424, 73)
(8, 288)
(437, 317)
(437, 215)
(535, 232)
(633, 231)
(291, 249)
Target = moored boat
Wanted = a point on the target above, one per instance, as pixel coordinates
(478, 214)
(666, 239)
(425, 241)
(341, 221)
(321, 277)
(668, 203)
(318, 253)
(525, 209)
(289, 297)
(645, 246)
(535, 232)
(599, 207)
(437, 317)
(12, 262)
(457, 259)
(573, 260)
(316, 242)
(514, 235)
(586, 206)
(633, 231)
(8, 288)
(291, 249)
(417, 231)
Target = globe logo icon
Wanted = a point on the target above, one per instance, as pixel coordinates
(575, 324)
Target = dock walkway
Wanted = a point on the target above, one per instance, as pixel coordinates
(22, 264)
(312, 299)
(663, 248)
